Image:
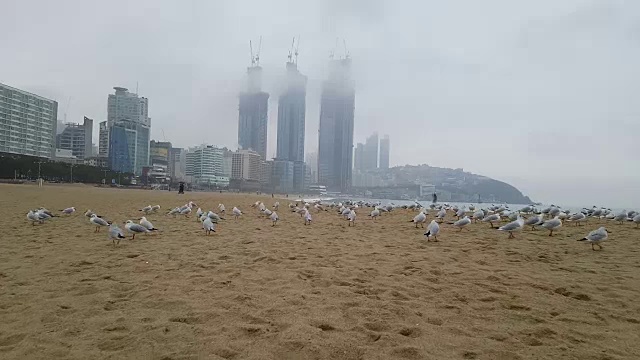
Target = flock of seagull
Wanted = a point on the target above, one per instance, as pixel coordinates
(550, 218)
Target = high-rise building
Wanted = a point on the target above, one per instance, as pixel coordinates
(124, 105)
(246, 165)
(159, 156)
(370, 153)
(128, 146)
(312, 164)
(252, 124)
(77, 138)
(28, 123)
(103, 140)
(384, 152)
(177, 164)
(205, 166)
(291, 126)
(358, 157)
(335, 143)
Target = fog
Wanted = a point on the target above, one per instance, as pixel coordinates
(541, 94)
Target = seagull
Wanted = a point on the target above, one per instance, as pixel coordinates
(478, 215)
(552, 224)
(621, 217)
(267, 212)
(432, 230)
(534, 220)
(513, 226)
(208, 225)
(441, 214)
(146, 223)
(307, 218)
(88, 213)
(221, 208)
(134, 228)
(69, 210)
(199, 214)
(578, 217)
(460, 213)
(375, 213)
(636, 219)
(155, 208)
(236, 212)
(185, 211)
(276, 205)
(97, 221)
(146, 209)
(491, 218)
(421, 218)
(33, 217)
(462, 223)
(115, 234)
(174, 211)
(596, 237)
(215, 217)
(45, 211)
(352, 218)
(274, 218)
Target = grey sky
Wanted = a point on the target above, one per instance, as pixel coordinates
(542, 94)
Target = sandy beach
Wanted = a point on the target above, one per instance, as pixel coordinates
(378, 290)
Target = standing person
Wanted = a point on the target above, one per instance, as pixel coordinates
(435, 198)
(181, 188)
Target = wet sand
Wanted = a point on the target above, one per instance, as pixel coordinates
(326, 291)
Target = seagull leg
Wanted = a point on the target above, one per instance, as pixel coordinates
(551, 233)
(511, 235)
(592, 248)
(134, 236)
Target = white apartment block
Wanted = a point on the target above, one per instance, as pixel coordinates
(28, 123)
(204, 164)
(246, 165)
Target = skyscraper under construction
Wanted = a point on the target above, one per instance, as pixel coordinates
(335, 143)
(252, 124)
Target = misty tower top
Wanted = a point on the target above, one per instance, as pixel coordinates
(252, 114)
(335, 143)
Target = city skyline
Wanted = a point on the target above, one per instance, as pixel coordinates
(480, 79)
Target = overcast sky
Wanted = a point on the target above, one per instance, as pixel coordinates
(542, 94)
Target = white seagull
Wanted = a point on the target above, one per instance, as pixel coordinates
(596, 237)
(462, 223)
(236, 212)
(134, 228)
(274, 218)
(69, 210)
(352, 217)
(552, 224)
(95, 220)
(208, 225)
(421, 218)
(513, 226)
(432, 230)
(146, 223)
(307, 218)
(115, 234)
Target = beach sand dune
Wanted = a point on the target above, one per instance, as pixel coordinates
(378, 290)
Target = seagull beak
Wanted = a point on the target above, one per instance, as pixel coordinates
(607, 231)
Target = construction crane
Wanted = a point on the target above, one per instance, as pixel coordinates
(290, 56)
(255, 59)
(296, 53)
(346, 52)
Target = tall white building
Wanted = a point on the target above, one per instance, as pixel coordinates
(246, 165)
(103, 140)
(28, 123)
(205, 165)
(124, 105)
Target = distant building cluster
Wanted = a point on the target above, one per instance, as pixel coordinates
(369, 157)
(29, 126)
